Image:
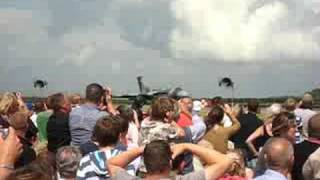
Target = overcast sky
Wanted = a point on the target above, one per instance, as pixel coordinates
(268, 47)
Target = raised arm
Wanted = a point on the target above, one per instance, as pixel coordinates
(216, 163)
(10, 149)
(235, 123)
(123, 160)
(198, 128)
(256, 134)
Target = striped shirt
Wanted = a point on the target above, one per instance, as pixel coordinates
(298, 133)
(93, 166)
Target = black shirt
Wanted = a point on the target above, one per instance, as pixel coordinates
(27, 155)
(249, 123)
(301, 153)
(58, 132)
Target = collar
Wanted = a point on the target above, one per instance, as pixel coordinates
(275, 174)
(90, 106)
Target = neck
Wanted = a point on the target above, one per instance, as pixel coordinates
(106, 148)
(284, 172)
(157, 176)
(20, 133)
(91, 103)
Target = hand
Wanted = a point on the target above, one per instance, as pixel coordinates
(18, 95)
(177, 149)
(108, 93)
(228, 110)
(10, 148)
(180, 131)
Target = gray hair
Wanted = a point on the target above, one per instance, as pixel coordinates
(67, 160)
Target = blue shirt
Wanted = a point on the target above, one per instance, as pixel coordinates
(271, 175)
(82, 121)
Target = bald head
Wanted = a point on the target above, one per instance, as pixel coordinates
(278, 154)
(314, 126)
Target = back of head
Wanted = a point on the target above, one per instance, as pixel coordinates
(157, 157)
(124, 124)
(33, 171)
(216, 101)
(126, 113)
(282, 123)
(19, 121)
(215, 116)
(75, 99)
(238, 168)
(56, 101)
(290, 104)
(38, 106)
(307, 101)
(94, 93)
(67, 160)
(160, 107)
(8, 103)
(278, 154)
(107, 131)
(253, 105)
(314, 126)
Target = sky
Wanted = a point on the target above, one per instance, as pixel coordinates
(268, 47)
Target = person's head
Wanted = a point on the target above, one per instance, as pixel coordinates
(183, 97)
(290, 104)
(162, 109)
(67, 161)
(95, 93)
(253, 105)
(186, 103)
(38, 106)
(34, 171)
(307, 101)
(214, 117)
(59, 103)
(157, 157)
(8, 104)
(75, 99)
(216, 101)
(126, 113)
(284, 125)
(238, 110)
(19, 122)
(197, 106)
(238, 168)
(314, 126)
(124, 126)
(47, 160)
(278, 153)
(107, 131)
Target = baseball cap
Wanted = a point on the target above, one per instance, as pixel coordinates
(197, 105)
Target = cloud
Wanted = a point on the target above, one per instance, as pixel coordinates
(237, 30)
(172, 43)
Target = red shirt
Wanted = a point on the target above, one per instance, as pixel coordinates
(185, 120)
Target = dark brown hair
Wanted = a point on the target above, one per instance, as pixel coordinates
(157, 156)
(160, 107)
(282, 123)
(106, 131)
(56, 101)
(214, 117)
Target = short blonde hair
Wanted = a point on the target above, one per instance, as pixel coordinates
(7, 101)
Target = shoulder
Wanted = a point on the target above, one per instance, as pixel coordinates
(122, 174)
(192, 176)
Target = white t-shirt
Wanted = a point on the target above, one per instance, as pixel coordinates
(34, 119)
(226, 121)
